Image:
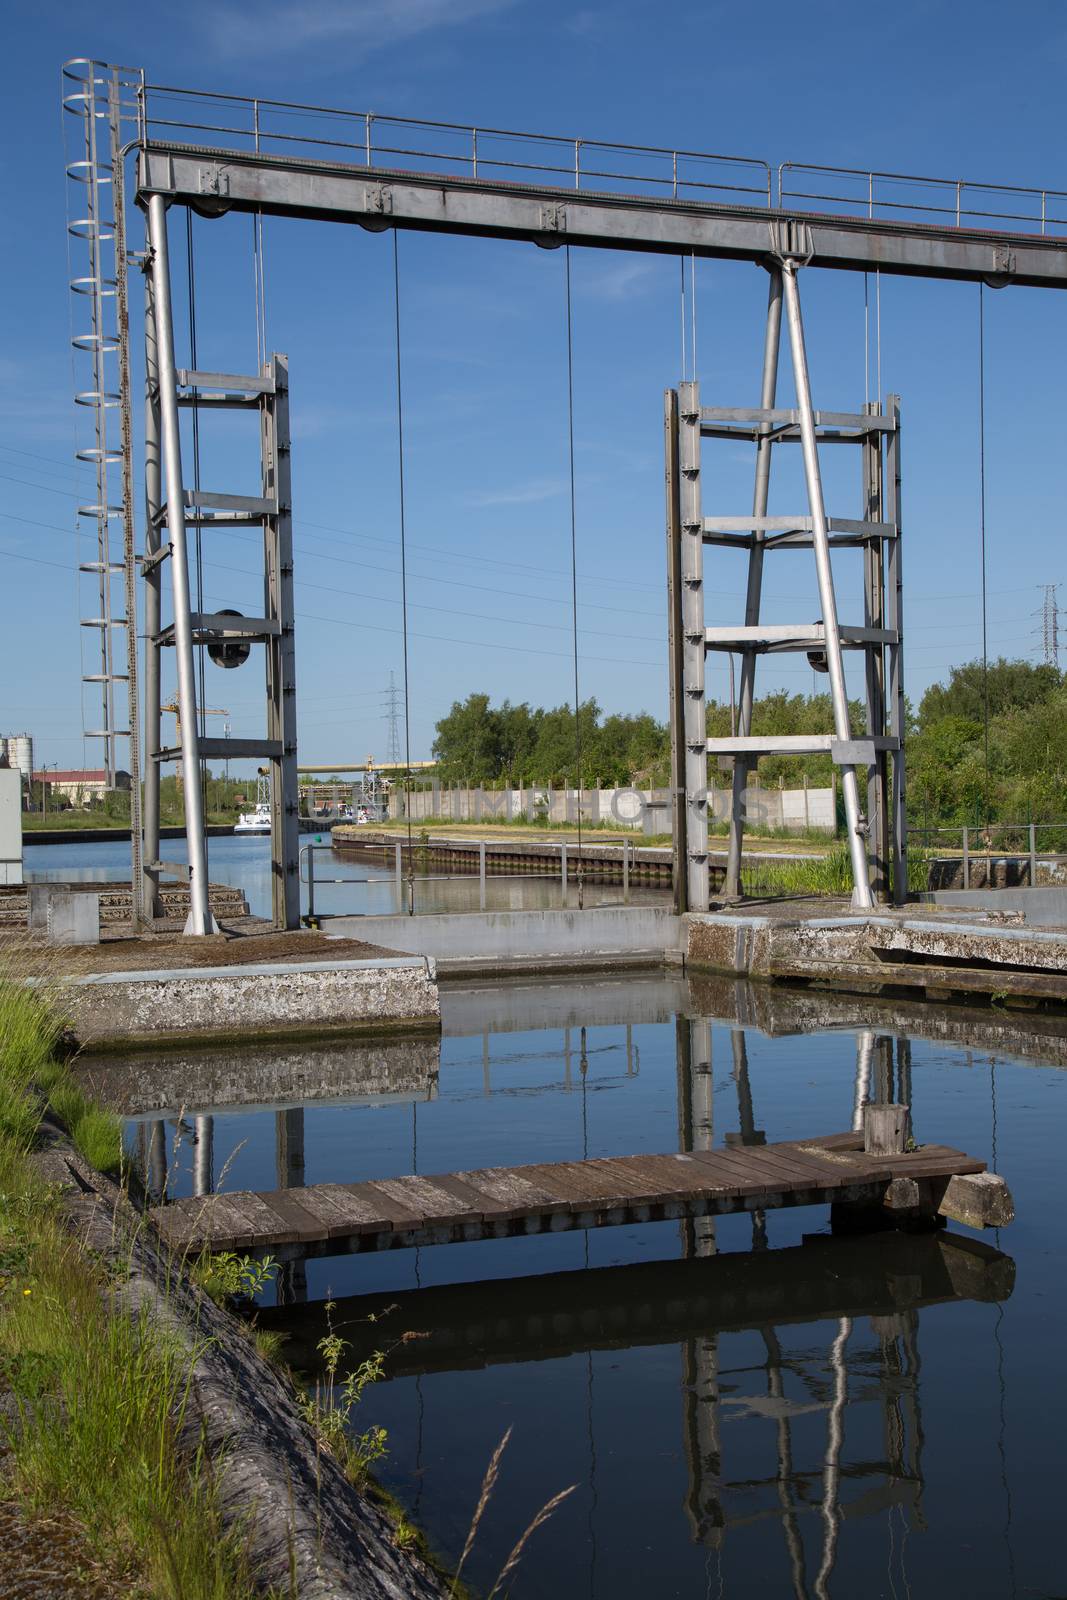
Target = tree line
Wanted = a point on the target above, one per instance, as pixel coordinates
(987, 745)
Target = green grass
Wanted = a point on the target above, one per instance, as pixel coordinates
(829, 874)
(80, 821)
(31, 1029)
(99, 1394)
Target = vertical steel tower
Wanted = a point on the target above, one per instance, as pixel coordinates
(874, 815)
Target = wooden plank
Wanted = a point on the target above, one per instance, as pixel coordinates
(426, 1199)
(395, 1211)
(184, 1223)
(265, 1226)
(511, 1191)
(630, 1176)
(724, 1170)
(346, 1212)
(799, 1170)
(781, 1176)
(302, 1225)
(847, 1166)
(689, 1173)
(851, 1140)
(478, 1206)
(589, 1185)
(933, 1161)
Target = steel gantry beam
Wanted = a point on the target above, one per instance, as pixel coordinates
(220, 180)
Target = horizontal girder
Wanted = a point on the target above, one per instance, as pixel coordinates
(216, 180)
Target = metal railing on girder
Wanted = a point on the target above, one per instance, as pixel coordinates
(958, 202)
(458, 150)
(468, 152)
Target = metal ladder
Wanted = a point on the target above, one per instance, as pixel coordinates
(876, 832)
(103, 102)
(228, 636)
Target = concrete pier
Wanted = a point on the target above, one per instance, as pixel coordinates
(281, 999)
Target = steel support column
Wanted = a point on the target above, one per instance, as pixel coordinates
(874, 611)
(280, 651)
(675, 655)
(694, 718)
(200, 918)
(153, 608)
(768, 392)
(861, 893)
(898, 822)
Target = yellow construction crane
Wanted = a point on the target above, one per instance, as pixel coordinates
(207, 711)
(203, 711)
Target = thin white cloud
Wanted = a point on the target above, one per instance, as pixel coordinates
(522, 494)
(631, 276)
(359, 27)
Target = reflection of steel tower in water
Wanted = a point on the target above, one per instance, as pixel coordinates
(709, 1492)
(700, 1356)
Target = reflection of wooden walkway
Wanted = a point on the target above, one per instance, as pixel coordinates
(469, 1325)
(502, 1202)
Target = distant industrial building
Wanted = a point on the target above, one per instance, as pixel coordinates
(79, 788)
(16, 750)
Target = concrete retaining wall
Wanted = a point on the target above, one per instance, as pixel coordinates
(766, 947)
(1040, 907)
(506, 936)
(212, 1003)
(647, 810)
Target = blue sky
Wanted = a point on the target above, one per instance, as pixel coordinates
(969, 91)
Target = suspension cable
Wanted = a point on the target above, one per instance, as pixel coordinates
(867, 339)
(259, 277)
(574, 567)
(982, 536)
(403, 574)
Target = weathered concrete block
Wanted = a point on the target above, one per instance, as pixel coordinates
(978, 1200)
(10, 825)
(304, 1000)
(73, 917)
(37, 897)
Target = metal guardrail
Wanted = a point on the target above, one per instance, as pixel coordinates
(976, 842)
(962, 202)
(467, 151)
(312, 918)
(277, 126)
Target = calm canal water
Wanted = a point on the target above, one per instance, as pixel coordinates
(748, 1408)
(368, 887)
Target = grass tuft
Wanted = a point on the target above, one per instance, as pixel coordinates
(31, 1029)
(98, 1396)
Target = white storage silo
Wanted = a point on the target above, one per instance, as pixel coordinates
(19, 750)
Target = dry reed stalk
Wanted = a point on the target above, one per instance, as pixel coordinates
(492, 1472)
(516, 1555)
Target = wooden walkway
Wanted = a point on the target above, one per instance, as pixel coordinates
(502, 1202)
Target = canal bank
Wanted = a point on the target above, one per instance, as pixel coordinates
(735, 1352)
(141, 1420)
(377, 974)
